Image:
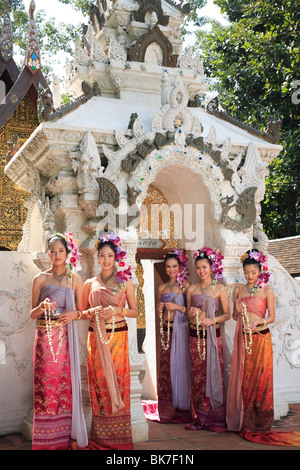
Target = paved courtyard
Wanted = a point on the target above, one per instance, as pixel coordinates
(175, 437)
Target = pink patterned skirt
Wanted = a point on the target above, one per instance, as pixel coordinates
(52, 392)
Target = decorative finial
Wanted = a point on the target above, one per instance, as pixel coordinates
(32, 56)
(7, 6)
(6, 40)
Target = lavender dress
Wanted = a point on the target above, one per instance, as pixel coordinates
(174, 378)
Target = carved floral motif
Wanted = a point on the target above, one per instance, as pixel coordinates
(6, 39)
(116, 51)
(193, 62)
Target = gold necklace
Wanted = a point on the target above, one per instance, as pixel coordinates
(171, 286)
(106, 279)
(253, 290)
(59, 277)
(204, 289)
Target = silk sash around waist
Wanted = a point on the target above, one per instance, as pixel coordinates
(105, 296)
(214, 387)
(118, 326)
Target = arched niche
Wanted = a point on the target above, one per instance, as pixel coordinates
(189, 181)
(138, 50)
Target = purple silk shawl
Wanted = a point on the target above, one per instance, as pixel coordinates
(213, 375)
(65, 301)
(179, 355)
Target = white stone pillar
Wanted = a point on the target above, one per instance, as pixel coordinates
(139, 424)
(149, 388)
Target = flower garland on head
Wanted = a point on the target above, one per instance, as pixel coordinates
(262, 260)
(73, 262)
(183, 267)
(124, 269)
(216, 257)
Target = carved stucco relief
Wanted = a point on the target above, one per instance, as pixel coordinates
(14, 318)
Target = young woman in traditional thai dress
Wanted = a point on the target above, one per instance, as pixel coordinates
(250, 408)
(174, 370)
(56, 302)
(208, 350)
(104, 299)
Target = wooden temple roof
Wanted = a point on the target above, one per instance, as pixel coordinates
(30, 78)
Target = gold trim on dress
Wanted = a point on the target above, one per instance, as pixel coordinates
(109, 326)
(42, 323)
(119, 324)
(193, 326)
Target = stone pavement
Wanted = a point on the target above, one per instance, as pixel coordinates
(175, 437)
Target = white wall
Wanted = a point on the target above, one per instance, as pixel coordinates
(17, 332)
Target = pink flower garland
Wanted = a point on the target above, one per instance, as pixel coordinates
(73, 261)
(216, 257)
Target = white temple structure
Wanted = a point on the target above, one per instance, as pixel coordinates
(138, 131)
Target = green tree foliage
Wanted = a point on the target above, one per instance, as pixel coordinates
(79, 5)
(254, 64)
(194, 17)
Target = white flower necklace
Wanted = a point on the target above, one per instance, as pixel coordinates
(246, 328)
(203, 353)
(99, 328)
(49, 331)
(164, 345)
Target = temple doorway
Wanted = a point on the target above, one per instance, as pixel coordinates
(184, 218)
